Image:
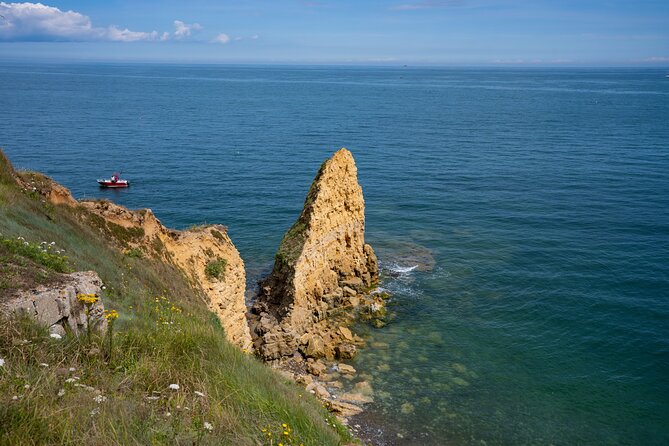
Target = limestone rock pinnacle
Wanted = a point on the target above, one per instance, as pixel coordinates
(321, 265)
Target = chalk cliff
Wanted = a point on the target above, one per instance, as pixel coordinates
(321, 267)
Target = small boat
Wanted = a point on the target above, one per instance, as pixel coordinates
(114, 181)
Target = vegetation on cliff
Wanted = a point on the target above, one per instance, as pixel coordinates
(171, 376)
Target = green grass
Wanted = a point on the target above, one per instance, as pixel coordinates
(216, 269)
(241, 396)
(41, 253)
(165, 335)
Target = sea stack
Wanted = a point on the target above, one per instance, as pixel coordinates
(320, 269)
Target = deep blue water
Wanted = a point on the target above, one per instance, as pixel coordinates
(535, 204)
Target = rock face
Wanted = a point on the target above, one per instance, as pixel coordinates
(322, 265)
(58, 307)
(205, 254)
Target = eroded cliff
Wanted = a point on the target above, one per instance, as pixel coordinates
(321, 267)
(205, 254)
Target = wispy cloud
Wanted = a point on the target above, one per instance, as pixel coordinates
(436, 4)
(657, 59)
(35, 21)
(183, 30)
(222, 38)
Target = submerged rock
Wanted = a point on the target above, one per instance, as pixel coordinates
(322, 266)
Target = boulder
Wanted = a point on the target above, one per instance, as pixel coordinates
(346, 369)
(345, 351)
(346, 334)
(343, 409)
(316, 368)
(58, 308)
(315, 347)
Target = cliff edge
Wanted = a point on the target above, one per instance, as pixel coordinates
(321, 267)
(205, 254)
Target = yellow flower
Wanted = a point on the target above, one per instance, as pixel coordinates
(88, 299)
(284, 425)
(110, 315)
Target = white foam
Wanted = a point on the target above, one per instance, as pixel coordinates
(403, 269)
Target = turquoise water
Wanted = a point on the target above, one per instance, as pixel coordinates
(521, 218)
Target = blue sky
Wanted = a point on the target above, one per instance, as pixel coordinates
(450, 32)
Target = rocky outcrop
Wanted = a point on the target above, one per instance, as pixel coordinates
(321, 267)
(58, 308)
(205, 254)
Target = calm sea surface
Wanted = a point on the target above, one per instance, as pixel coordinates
(521, 218)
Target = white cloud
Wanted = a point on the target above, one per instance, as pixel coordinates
(183, 30)
(255, 37)
(222, 38)
(35, 21)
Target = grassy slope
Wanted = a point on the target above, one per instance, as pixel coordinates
(242, 395)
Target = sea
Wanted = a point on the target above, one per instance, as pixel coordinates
(520, 215)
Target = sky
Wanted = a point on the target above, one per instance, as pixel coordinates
(430, 32)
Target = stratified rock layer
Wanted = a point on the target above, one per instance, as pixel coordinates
(322, 265)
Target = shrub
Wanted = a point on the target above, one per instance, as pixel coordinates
(216, 269)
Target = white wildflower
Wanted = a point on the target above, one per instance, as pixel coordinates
(72, 369)
(61, 392)
(197, 393)
(100, 399)
(174, 386)
(168, 414)
(44, 364)
(27, 386)
(55, 336)
(208, 426)
(2, 362)
(14, 398)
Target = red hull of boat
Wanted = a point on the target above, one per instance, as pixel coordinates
(110, 184)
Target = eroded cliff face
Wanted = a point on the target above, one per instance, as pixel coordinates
(205, 254)
(321, 267)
